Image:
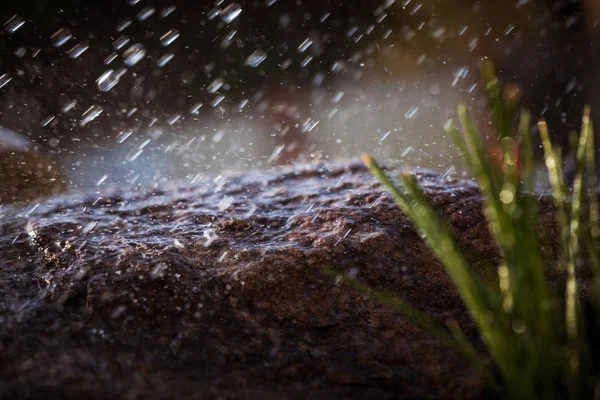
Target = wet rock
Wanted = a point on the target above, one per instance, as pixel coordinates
(216, 290)
(26, 174)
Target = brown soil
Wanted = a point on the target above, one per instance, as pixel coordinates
(215, 290)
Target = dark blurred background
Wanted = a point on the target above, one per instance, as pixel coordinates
(139, 92)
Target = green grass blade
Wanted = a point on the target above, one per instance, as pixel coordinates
(572, 311)
(558, 190)
(459, 143)
(527, 151)
(500, 113)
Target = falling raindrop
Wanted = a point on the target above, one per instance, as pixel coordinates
(305, 45)
(111, 57)
(78, 50)
(165, 12)
(174, 119)
(383, 136)
(91, 114)
(121, 42)
(109, 79)
(215, 85)
(337, 97)
(195, 109)
(68, 106)
(134, 54)
(14, 24)
(231, 12)
(123, 135)
(145, 13)
(4, 79)
(123, 25)
(169, 37)
(102, 180)
(256, 58)
(61, 37)
(214, 13)
(411, 113)
(306, 61)
(48, 120)
(164, 59)
(217, 100)
(137, 151)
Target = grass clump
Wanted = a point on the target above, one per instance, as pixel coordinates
(538, 340)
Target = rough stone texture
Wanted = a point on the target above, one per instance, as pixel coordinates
(215, 290)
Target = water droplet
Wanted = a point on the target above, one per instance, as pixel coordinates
(109, 79)
(305, 45)
(78, 50)
(91, 114)
(383, 136)
(102, 180)
(217, 100)
(286, 64)
(231, 12)
(134, 54)
(121, 42)
(337, 97)
(195, 109)
(165, 12)
(411, 113)
(14, 24)
(48, 120)
(137, 151)
(406, 151)
(164, 59)
(20, 52)
(68, 106)
(123, 25)
(89, 226)
(111, 57)
(256, 58)
(210, 236)
(169, 37)
(174, 119)
(145, 13)
(124, 135)
(61, 37)
(306, 61)
(4, 79)
(132, 2)
(309, 125)
(215, 85)
(212, 14)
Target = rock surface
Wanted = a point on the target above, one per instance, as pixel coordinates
(215, 290)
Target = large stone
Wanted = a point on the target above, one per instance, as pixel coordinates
(215, 290)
